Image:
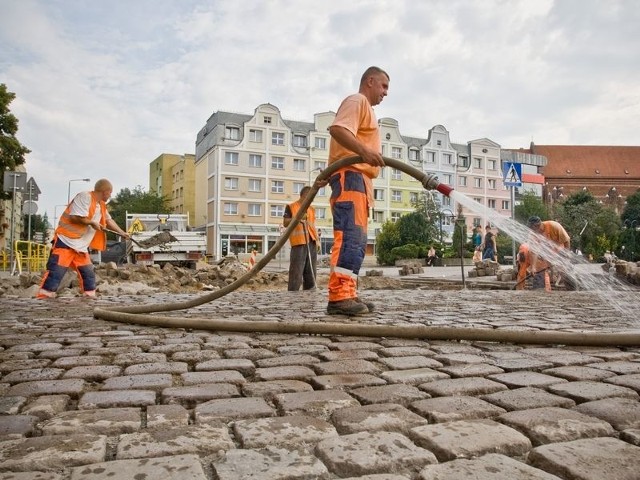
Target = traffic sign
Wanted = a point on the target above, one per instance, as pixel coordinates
(14, 181)
(512, 174)
(29, 207)
(32, 191)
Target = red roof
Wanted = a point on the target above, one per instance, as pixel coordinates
(589, 161)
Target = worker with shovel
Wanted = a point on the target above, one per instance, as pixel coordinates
(303, 240)
(81, 226)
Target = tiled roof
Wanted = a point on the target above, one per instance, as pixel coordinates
(589, 161)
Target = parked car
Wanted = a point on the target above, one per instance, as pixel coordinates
(116, 252)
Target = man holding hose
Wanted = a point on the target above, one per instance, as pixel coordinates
(80, 227)
(354, 132)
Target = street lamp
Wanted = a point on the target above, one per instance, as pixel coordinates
(69, 188)
(317, 169)
(55, 215)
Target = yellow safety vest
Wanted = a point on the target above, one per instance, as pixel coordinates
(76, 230)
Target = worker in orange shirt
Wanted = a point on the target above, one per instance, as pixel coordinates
(523, 265)
(541, 268)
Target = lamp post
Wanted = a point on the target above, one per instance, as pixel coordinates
(317, 169)
(69, 186)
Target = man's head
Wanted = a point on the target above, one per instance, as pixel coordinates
(304, 191)
(488, 228)
(534, 223)
(374, 85)
(103, 188)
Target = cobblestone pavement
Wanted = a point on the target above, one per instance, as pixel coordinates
(82, 398)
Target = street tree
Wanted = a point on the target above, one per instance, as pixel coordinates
(530, 206)
(12, 152)
(136, 201)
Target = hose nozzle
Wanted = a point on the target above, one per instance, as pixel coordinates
(431, 182)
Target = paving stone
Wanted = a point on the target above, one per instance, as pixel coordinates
(11, 405)
(195, 356)
(320, 404)
(155, 368)
(615, 355)
(220, 376)
(470, 370)
(367, 453)
(381, 476)
(516, 364)
(446, 348)
(175, 467)
(17, 424)
(293, 372)
(376, 417)
(447, 409)
(345, 367)
(526, 399)
(346, 381)
(190, 396)
(117, 398)
(462, 358)
(470, 438)
(289, 431)
(239, 408)
(79, 361)
(52, 452)
(245, 367)
(621, 368)
(397, 393)
(468, 386)
(590, 391)
(270, 463)
(253, 354)
(105, 421)
(195, 439)
(71, 387)
(172, 348)
(94, 373)
(126, 359)
(555, 425)
(302, 349)
(560, 356)
(167, 416)
(47, 406)
(13, 365)
(35, 347)
(268, 390)
(408, 362)
(355, 345)
(139, 382)
(526, 379)
(621, 413)
(111, 351)
(579, 373)
(631, 381)
(413, 376)
(30, 476)
(348, 355)
(287, 360)
(488, 467)
(589, 459)
(33, 375)
(406, 351)
(631, 436)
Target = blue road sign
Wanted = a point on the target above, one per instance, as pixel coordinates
(512, 174)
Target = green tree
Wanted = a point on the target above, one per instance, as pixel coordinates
(12, 152)
(136, 201)
(629, 240)
(39, 223)
(530, 205)
(386, 241)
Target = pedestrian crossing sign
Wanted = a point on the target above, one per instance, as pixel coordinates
(512, 174)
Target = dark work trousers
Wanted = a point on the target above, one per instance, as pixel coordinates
(302, 271)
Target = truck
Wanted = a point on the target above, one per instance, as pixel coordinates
(164, 238)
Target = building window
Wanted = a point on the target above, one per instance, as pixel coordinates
(297, 187)
(396, 195)
(431, 157)
(319, 165)
(231, 158)
(413, 197)
(321, 143)
(395, 216)
(447, 158)
(491, 203)
(277, 186)
(277, 163)
(321, 213)
(396, 174)
(447, 179)
(491, 164)
(446, 201)
(505, 204)
(477, 200)
(477, 182)
(378, 216)
(396, 152)
(254, 209)
(462, 181)
(492, 183)
(267, 120)
(378, 194)
(231, 183)
(255, 185)
(477, 162)
(299, 164)
(463, 161)
(414, 154)
(255, 136)
(299, 141)
(277, 210)
(439, 142)
(232, 133)
(277, 138)
(476, 221)
(230, 208)
(255, 160)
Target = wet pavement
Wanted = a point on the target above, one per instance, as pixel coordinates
(83, 398)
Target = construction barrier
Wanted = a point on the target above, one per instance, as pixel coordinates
(30, 256)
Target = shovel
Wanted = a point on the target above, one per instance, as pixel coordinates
(116, 233)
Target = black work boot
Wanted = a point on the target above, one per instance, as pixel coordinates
(347, 307)
(370, 305)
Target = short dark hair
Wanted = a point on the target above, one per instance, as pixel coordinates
(372, 71)
(305, 190)
(534, 221)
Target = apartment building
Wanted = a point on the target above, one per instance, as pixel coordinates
(173, 176)
(249, 167)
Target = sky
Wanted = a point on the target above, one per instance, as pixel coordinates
(103, 88)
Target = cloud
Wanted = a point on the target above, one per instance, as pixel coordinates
(104, 88)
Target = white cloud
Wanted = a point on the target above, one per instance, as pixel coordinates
(104, 88)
